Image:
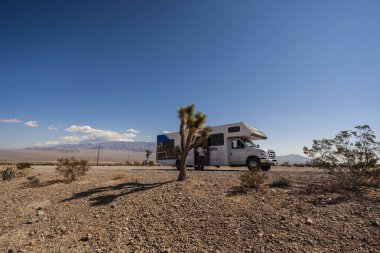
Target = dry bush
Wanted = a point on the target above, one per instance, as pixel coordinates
(72, 168)
(351, 158)
(151, 163)
(281, 183)
(21, 166)
(286, 164)
(33, 181)
(253, 179)
(299, 165)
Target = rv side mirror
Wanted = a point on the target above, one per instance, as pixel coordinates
(258, 145)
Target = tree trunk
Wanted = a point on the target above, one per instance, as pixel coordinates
(182, 170)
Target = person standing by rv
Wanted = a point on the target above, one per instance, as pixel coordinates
(201, 157)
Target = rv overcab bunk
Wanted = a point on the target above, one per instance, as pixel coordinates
(228, 145)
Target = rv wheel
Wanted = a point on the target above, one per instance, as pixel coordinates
(178, 164)
(253, 164)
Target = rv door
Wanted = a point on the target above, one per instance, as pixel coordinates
(237, 152)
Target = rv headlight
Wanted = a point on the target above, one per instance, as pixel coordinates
(263, 153)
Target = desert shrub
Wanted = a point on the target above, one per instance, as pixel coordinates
(350, 158)
(281, 183)
(33, 181)
(285, 164)
(253, 179)
(299, 165)
(22, 166)
(151, 163)
(72, 168)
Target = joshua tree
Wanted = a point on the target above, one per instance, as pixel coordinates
(192, 134)
(148, 152)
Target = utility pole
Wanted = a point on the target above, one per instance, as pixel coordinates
(97, 159)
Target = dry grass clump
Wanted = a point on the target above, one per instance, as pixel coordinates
(253, 179)
(33, 181)
(26, 172)
(281, 183)
(120, 176)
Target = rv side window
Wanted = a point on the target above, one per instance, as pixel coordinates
(234, 129)
(237, 144)
(216, 140)
(165, 150)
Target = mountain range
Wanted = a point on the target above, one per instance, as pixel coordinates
(141, 146)
(137, 146)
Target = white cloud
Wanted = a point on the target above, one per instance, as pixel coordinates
(10, 121)
(166, 132)
(89, 134)
(54, 127)
(31, 123)
(134, 131)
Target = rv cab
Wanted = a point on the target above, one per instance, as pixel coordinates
(243, 151)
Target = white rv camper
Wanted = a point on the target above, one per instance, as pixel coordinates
(228, 145)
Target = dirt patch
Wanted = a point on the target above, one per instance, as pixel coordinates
(145, 210)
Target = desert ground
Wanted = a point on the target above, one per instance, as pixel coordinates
(143, 209)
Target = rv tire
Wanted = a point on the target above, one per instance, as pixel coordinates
(253, 163)
(178, 164)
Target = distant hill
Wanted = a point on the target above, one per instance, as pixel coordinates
(136, 146)
(293, 159)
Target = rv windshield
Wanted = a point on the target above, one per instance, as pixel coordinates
(249, 143)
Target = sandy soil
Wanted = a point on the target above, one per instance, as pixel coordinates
(136, 209)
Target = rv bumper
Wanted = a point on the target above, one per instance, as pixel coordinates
(266, 161)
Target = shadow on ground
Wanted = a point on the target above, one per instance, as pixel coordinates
(123, 189)
(35, 183)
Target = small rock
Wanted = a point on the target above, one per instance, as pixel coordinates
(87, 237)
(261, 234)
(40, 212)
(376, 223)
(33, 220)
(63, 229)
(309, 221)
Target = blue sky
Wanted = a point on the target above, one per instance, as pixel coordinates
(117, 70)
